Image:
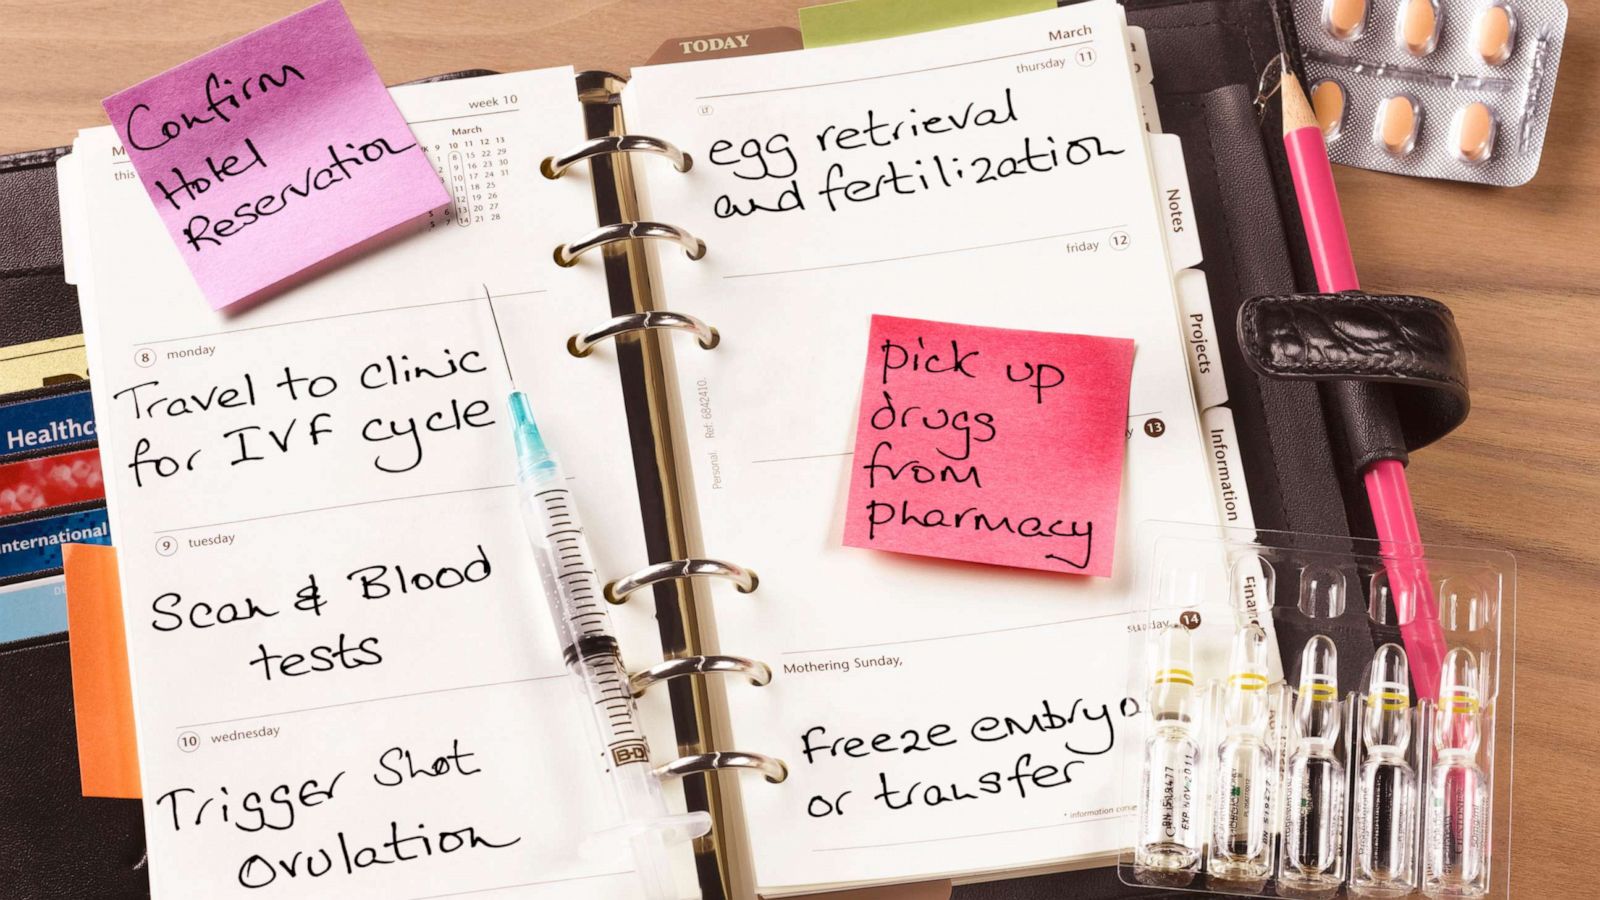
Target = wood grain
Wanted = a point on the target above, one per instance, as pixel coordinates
(1520, 267)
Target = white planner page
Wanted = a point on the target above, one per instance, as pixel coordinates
(346, 681)
(938, 718)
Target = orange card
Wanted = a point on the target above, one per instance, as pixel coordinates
(108, 759)
(990, 445)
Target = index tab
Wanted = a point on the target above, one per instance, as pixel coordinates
(274, 153)
(1200, 339)
(66, 211)
(1227, 469)
(1144, 81)
(868, 20)
(725, 44)
(102, 697)
(990, 445)
(1177, 204)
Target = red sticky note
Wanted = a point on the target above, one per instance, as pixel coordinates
(274, 154)
(990, 445)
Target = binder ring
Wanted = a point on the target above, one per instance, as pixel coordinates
(617, 591)
(556, 166)
(758, 672)
(583, 344)
(775, 770)
(567, 254)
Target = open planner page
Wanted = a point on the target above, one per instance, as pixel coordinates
(346, 680)
(938, 718)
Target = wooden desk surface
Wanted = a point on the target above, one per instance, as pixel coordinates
(1520, 267)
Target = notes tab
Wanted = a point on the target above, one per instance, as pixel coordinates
(1177, 204)
(274, 153)
(990, 445)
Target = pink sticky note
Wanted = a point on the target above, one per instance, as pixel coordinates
(274, 154)
(990, 445)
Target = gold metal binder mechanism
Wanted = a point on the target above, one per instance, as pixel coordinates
(555, 166)
(772, 768)
(632, 287)
(567, 254)
(583, 344)
(775, 770)
(745, 580)
(759, 673)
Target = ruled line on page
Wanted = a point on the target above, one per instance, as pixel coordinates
(970, 62)
(869, 262)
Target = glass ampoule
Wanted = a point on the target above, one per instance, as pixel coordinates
(1168, 851)
(1456, 845)
(1241, 830)
(1383, 862)
(1312, 861)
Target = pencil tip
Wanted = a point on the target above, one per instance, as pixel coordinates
(1297, 112)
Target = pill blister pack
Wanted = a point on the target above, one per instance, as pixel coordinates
(1456, 89)
(1272, 763)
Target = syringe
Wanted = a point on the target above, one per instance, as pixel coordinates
(549, 511)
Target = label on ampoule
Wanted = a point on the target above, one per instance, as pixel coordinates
(1384, 823)
(1457, 828)
(1315, 823)
(1168, 837)
(1240, 837)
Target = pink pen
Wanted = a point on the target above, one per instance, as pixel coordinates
(1392, 512)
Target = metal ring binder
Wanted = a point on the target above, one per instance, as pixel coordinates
(556, 166)
(745, 580)
(758, 672)
(775, 770)
(583, 344)
(646, 363)
(567, 254)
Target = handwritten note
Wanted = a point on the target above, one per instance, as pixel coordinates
(1013, 750)
(273, 154)
(339, 689)
(404, 402)
(876, 155)
(990, 445)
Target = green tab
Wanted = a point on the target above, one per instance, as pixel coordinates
(866, 20)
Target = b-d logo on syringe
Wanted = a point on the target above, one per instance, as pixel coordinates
(630, 752)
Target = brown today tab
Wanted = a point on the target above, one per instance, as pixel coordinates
(922, 890)
(728, 43)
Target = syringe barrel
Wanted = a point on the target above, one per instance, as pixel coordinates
(557, 534)
(590, 650)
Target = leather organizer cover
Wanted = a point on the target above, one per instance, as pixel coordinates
(1309, 378)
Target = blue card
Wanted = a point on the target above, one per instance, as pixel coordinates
(32, 608)
(35, 545)
(42, 423)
